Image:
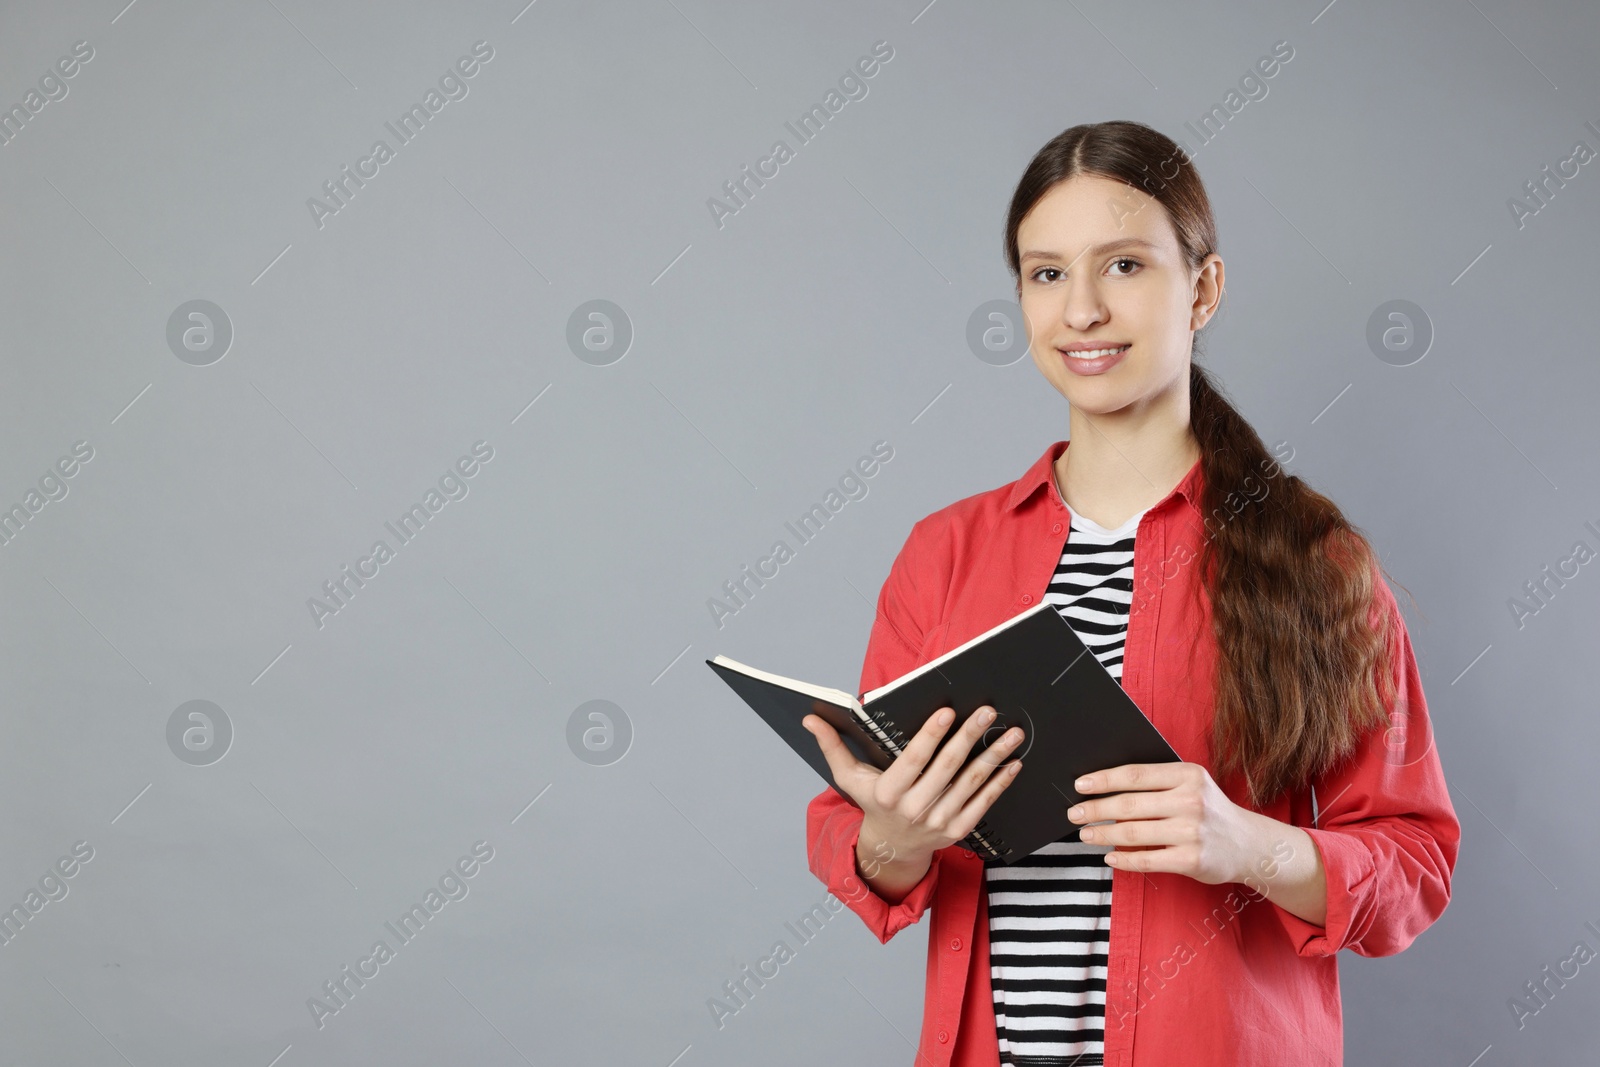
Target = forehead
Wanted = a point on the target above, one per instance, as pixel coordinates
(1091, 213)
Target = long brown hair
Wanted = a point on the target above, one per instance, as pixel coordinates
(1302, 672)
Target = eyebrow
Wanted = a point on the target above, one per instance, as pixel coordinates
(1109, 246)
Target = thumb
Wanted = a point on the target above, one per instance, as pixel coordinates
(843, 765)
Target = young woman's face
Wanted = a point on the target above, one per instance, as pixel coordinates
(1099, 263)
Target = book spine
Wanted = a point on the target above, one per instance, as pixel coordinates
(890, 739)
(987, 844)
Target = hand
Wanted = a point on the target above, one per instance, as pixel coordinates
(1167, 817)
(920, 805)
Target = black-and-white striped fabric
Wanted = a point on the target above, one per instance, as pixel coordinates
(1050, 913)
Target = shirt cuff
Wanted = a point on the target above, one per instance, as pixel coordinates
(882, 918)
(1350, 872)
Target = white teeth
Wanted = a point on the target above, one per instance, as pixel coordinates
(1096, 353)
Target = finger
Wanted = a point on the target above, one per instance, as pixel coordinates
(979, 803)
(1132, 776)
(1141, 833)
(1146, 861)
(974, 776)
(917, 765)
(1149, 804)
(847, 770)
(908, 767)
(941, 773)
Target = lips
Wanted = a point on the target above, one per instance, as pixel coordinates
(1092, 358)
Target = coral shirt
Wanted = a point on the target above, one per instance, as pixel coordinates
(1202, 975)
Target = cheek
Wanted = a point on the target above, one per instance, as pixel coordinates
(1046, 358)
(1164, 362)
(1167, 340)
(1031, 330)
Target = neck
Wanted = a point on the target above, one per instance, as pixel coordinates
(1124, 462)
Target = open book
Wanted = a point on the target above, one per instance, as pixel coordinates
(1033, 670)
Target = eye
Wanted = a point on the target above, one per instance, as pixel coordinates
(1056, 272)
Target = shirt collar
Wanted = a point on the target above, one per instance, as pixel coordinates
(1039, 476)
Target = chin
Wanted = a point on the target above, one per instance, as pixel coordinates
(1099, 400)
(1096, 392)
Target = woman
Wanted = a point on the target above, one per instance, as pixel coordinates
(1196, 921)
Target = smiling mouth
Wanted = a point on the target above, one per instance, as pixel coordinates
(1096, 353)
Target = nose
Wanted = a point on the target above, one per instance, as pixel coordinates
(1083, 309)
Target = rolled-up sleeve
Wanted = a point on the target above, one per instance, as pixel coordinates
(908, 605)
(1385, 827)
(833, 826)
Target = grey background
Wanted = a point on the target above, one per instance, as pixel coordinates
(768, 356)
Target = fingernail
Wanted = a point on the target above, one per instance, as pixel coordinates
(1076, 813)
(987, 716)
(1083, 783)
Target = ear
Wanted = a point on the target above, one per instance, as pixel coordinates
(1208, 291)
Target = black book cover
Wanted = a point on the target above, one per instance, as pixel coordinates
(1033, 670)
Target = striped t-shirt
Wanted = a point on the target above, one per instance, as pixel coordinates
(1050, 912)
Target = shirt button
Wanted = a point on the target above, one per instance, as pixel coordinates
(1056, 528)
(944, 1036)
(1027, 598)
(955, 944)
